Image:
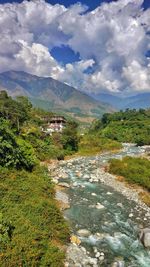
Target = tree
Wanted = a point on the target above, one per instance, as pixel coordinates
(17, 111)
(69, 137)
(13, 152)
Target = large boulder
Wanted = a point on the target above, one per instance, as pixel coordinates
(83, 232)
(118, 264)
(145, 237)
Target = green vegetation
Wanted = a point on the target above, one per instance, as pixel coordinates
(134, 170)
(125, 126)
(91, 144)
(33, 229)
(33, 232)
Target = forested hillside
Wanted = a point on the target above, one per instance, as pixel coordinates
(32, 229)
(125, 126)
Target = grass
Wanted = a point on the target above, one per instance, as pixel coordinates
(135, 171)
(93, 144)
(145, 197)
(39, 229)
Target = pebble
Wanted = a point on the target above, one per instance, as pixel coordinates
(109, 193)
(99, 206)
(101, 258)
(93, 194)
(97, 255)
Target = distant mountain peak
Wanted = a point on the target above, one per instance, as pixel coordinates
(51, 94)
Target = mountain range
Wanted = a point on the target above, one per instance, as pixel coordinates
(52, 95)
(56, 96)
(137, 101)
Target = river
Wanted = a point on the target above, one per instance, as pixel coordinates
(106, 220)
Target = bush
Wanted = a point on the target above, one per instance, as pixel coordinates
(134, 170)
(26, 154)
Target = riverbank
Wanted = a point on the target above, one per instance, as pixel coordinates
(100, 174)
(92, 191)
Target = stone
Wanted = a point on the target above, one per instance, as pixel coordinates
(55, 181)
(109, 193)
(118, 264)
(61, 196)
(92, 261)
(75, 240)
(75, 184)
(120, 205)
(78, 174)
(99, 206)
(97, 255)
(145, 237)
(84, 250)
(93, 194)
(64, 175)
(102, 254)
(101, 258)
(86, 176)
(64, 185)
(131, 215)
(95, 250)
(83, 232)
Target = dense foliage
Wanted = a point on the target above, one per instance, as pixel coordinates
(125, 126)
(22, 137)
(134, 170)
(32, 229)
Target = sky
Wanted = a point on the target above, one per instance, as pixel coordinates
(94, 45)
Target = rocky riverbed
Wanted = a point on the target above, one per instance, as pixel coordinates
(106, 217)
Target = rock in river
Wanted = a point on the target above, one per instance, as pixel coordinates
(64, 185)
(99, 206)
(118, 264)
(145, 237)
(84, 232)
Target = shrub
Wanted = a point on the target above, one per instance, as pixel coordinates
(26, 155)
(135, 170)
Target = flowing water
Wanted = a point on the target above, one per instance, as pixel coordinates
(115, 225)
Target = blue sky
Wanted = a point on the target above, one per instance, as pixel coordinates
(105, 49)
(92, 4)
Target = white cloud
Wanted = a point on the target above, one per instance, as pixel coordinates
(74, 74)
(137, 75)
(113, 40)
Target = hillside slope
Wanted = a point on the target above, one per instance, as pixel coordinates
(51, 94)
(137, 101)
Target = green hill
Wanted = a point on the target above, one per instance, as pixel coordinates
(125, 126)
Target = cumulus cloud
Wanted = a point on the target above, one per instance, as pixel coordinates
(112, 41)
(75, 74)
